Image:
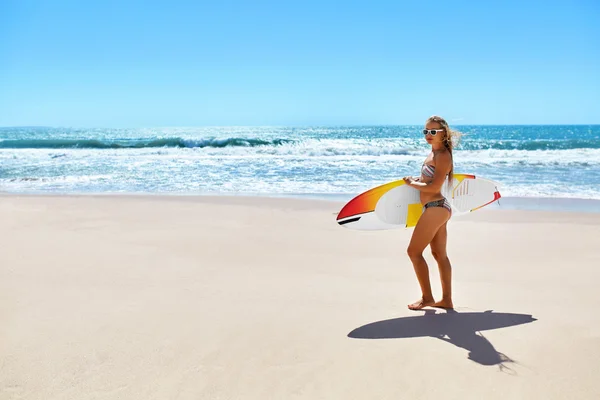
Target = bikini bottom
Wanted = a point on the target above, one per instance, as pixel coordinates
(439, 203)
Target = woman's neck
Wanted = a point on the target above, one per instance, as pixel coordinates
(436, 147)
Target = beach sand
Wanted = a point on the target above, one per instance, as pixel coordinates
(157, 297)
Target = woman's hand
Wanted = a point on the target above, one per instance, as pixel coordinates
(408, 180)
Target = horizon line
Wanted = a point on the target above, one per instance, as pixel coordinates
(277, 126)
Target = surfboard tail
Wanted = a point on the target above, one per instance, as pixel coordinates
(497, 197)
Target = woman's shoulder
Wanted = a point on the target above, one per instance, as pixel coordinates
(443, 155)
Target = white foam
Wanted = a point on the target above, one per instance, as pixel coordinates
(317, 165)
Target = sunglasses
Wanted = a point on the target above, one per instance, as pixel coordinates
(432, 132)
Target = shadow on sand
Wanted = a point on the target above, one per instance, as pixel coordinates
(459, 329)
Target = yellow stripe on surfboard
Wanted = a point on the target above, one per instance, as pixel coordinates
(413, 214)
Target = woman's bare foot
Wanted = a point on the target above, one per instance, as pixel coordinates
(421, 303)
(443, 303)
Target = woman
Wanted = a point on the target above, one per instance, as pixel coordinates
(431, 227)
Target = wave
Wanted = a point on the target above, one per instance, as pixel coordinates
(531, 145)
(300, 146)
(138, 143)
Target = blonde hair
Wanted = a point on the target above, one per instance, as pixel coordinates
(451, 138)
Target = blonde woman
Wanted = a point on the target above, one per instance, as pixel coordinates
(431, 227)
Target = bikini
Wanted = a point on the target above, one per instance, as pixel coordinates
(428, 171)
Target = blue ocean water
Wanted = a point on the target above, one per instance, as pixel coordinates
(527, 161)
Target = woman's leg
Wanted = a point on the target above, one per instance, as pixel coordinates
(425, 230)
(438, 250)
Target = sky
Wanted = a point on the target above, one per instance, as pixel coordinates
(234, 63)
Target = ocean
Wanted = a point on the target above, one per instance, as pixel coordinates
(536, 161)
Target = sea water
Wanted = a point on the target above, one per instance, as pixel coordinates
(527, 161)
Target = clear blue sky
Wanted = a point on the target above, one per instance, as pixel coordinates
(196, 63)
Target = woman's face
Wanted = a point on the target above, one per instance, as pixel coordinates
(439, 135)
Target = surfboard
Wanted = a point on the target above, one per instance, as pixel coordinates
(396, 205)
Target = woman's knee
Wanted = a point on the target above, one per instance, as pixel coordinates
(414, 252)
(439, 255)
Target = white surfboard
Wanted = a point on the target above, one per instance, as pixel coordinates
(396, 205)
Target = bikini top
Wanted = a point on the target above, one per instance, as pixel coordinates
(427, 170)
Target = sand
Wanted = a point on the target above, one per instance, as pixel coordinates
(153, 297)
